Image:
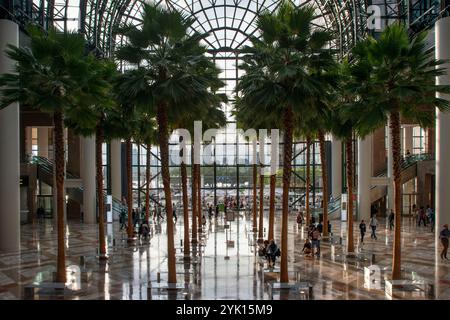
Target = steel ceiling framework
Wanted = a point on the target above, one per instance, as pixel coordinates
(230, 22)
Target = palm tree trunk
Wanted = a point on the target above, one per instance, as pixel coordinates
(100, 200)
(308, 178)
(147, 187)
(59, 170)
(194, 199)
(199, 199)
(349, 169)
(261, 205)
(187, 249)
(287, 159)
(273, 180)
(255, 173)
(129, 191)
(164, 148)
(396, 147)
(323, 160)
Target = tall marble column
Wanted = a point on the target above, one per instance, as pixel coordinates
(364, 176)
(88, 177)
(43, 142)
(442, 34)
(28, 141)
(336, 167)
(116, 169)
(9, 152)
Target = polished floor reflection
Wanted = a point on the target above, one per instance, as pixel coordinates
(226, 265)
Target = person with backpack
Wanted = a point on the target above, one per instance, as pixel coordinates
(373, 225)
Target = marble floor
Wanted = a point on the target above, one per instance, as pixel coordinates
(226, 265)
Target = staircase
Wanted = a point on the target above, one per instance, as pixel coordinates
(73, 183)
(408, 172)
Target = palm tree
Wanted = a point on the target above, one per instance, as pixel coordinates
(96, 115)
(48, 77)
(348, 97)
(213, 117)
(245, 118)
(146, 134)
(129, 95)
(323, 68)
(402, 86)
(277, 79)
(168, 68)
(306, 130)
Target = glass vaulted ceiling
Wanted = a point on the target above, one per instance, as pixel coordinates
(229, 23)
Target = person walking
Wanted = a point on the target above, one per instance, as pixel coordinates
(444, 235)
(373, 224)
(415, 214)
(300, 218)
(174, 212)
(210, 211)
(422, 217)
(160, 216)
(316, 241)
(391, 220)
(362, 230)
(123, 219)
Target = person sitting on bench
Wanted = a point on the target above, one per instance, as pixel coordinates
(144, 230)
(307, 248)
(272, 253)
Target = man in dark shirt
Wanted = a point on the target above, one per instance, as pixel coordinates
(320, 227)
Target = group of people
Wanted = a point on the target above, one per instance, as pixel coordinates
(270, 251)
(312, 242)
(301, 219)
(373, 224)
(425, 216)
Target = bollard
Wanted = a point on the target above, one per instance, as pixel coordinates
(158, 277)
(311, 297)
(430, 290)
